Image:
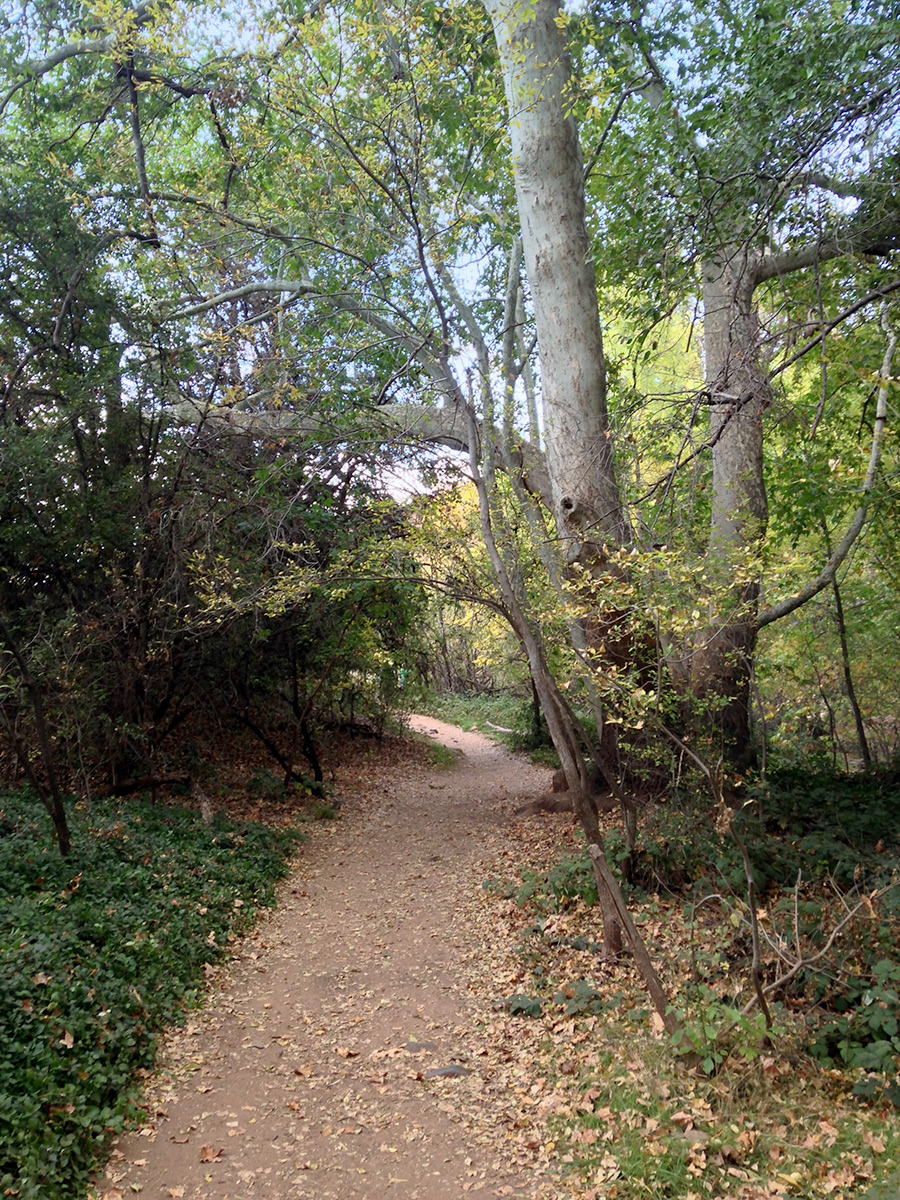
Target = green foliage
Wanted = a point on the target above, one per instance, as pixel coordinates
(866, 1034)
(580, 999)
(845, 826)
(474, 710)
(97, 954)
(532, 736)
(322, 811)
(572, 878)
(263, 783)
(719, 1032)
(818, 824)
(520, 1005)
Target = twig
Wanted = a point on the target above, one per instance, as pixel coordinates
(776, 985)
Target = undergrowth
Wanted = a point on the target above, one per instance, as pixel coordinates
(98, 952)
(473, 712)
(519, 729)
(805, 1107)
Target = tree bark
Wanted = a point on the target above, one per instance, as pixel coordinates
(738, 394)
(549, 181)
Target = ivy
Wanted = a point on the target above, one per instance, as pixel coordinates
(99, 952)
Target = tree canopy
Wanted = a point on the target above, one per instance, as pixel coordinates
(642, 269)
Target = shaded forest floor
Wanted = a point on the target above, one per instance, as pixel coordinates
(414, 1022)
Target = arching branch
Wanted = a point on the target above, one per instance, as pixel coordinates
(827, 574)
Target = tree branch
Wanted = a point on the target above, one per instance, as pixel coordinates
(877, 294)
(828, 183)
(865, 239)
(827, 574)
(36, 68)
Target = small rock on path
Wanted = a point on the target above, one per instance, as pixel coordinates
(339, 1057)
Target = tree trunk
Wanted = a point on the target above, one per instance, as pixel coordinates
(549, 182)
(739, 393)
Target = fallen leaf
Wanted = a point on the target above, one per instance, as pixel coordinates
(791, 1178)
(345, 1052)
(210, 1154)
(746, 1139)
(176, 1192)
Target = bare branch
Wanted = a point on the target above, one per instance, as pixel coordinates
(286, 286)
(803, 963)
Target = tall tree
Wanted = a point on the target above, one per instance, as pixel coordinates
(751, 169)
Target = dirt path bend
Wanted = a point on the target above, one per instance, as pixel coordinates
(339, 1054)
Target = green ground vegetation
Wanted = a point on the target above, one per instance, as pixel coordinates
(98, 952)
(804, 1104)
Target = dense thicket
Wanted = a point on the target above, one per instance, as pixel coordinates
(147, 569)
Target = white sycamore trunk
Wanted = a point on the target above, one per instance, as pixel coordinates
(550, 194)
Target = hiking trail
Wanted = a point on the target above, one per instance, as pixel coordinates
(339, 1054)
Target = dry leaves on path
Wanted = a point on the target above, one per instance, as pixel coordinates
(340, 1054)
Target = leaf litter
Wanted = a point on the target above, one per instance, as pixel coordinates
(364, 1033)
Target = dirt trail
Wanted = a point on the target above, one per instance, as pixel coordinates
(311, 1072)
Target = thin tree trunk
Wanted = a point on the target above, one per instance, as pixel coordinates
(561, 731)
(849, 687)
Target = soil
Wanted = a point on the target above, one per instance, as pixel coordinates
(342, 1052)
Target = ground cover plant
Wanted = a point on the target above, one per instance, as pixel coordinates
(98, 952)
(474, 711)
(803, 1108)
(505, 718)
